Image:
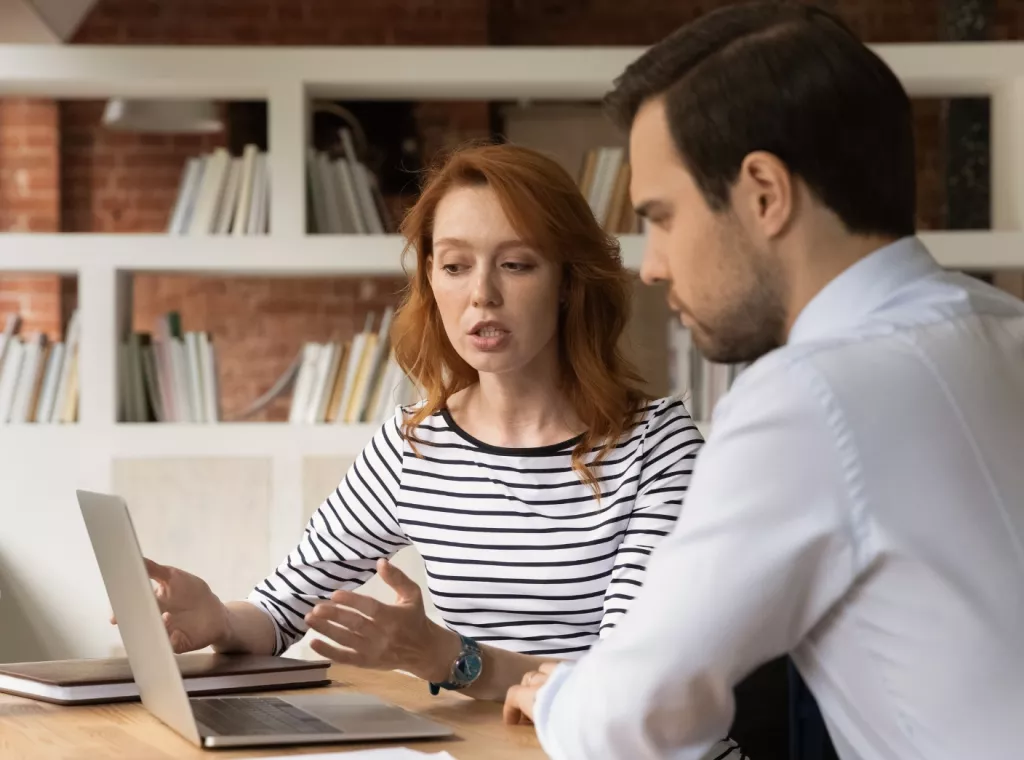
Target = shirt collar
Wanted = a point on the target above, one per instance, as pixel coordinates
(862, 288)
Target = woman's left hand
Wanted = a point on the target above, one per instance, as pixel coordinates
(373, 634)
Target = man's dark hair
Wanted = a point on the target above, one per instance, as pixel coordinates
(792, 80)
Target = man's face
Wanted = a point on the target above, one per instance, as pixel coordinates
(725, 289)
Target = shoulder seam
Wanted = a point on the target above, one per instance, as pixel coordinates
(857, 524)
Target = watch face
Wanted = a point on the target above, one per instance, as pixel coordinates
(470, 665)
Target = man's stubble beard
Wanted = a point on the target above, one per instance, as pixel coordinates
(753, 322)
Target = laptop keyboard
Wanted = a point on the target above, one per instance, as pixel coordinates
(256, 716)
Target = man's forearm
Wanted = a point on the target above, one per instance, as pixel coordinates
(249, 630)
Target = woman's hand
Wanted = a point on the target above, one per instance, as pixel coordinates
(193, 615)
(372, 634)
(520, 698)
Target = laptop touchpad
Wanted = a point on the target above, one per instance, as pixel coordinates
(358, 713)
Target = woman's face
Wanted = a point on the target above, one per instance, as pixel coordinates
(498, 298)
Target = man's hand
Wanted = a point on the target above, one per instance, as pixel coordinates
(372, 634)
(520, 698)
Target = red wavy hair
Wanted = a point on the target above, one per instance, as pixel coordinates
(548, 212)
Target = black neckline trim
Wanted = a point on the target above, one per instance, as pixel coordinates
(526, 451)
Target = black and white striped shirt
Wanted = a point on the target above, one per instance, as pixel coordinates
(518, 553)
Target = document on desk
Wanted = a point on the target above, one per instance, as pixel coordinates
(389, 753)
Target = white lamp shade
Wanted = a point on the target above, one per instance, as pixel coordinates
(133, 115)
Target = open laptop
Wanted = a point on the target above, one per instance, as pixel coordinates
(220, 721)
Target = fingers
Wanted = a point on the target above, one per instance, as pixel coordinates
(161, 574)
(365, 604)
(547, 668)
(350, 619)
(512, 712)
(338, 634)
(533, 678)
(399, 581)
(157, 571)
(180, 643)
(335, 653)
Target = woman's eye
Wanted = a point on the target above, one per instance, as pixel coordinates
(452, 268)
(516, 266)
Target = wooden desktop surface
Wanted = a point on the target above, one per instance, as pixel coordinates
(33, 730)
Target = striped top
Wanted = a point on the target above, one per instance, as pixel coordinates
(518, 553)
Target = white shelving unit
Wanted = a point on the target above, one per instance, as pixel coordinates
(43, 551)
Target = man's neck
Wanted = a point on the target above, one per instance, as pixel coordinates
(818, 257)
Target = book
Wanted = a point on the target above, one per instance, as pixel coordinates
(72, 682)
(9, 377)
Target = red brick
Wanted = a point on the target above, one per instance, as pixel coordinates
(29, 169)
(36, 299)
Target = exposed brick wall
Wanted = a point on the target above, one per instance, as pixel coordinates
(285, 22)
(29, 166)
(30, 202)
(36, 299)
(119, 181)
(257, 324)
(642, 22)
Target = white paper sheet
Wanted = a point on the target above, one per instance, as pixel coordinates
(387, 753)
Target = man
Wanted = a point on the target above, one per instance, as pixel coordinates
(860, 502)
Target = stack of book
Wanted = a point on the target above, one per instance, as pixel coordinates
(350, 382)
(344, 196)
(604, 180)
(38, 377)
(169, 376)
(699, 382)
(223, 195)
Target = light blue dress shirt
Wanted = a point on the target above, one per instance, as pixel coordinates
(860, 505)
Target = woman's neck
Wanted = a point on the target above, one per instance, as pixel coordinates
(516, 410)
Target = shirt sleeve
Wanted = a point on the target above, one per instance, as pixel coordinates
(770, 540)
(353, 528)
(670, 446)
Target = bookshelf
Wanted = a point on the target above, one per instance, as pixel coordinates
(357, 255)
(42, 465)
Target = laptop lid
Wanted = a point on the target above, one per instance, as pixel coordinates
(130, 591)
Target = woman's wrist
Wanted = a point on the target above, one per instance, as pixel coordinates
(441, 647)
(226, 641)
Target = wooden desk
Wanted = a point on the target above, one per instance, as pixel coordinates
(31, 730)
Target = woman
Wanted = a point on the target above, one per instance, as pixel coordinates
(535, 478)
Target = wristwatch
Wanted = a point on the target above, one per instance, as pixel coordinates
(465, 668)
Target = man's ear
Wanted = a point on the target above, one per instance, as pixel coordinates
(764, 191)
